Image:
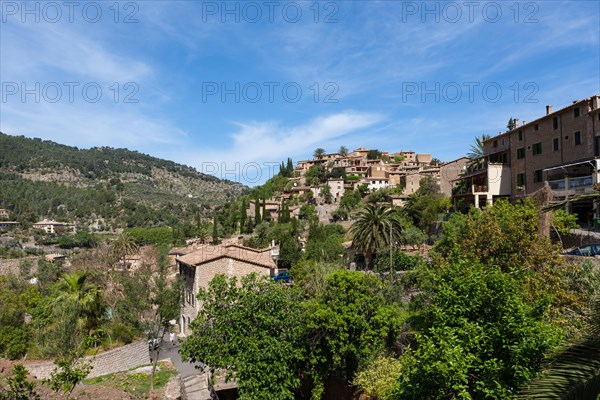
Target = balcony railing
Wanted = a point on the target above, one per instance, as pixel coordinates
(580, 182)
(574, 183)
(470, 189)
(557, 184)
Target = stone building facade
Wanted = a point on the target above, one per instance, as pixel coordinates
(198, 267)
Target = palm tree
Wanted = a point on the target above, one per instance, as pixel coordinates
(371, 231)
(319, 153)
(81, 299)
(477, 147)
(123, 246)
(574, 372)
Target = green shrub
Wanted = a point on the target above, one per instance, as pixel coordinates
(14, 341)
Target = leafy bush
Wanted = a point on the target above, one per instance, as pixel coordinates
(19, 388)
(14, 341)
(400, 260)
(147, 236)
(563, 222)
(378, 379)
(123, 333)
(481, 338)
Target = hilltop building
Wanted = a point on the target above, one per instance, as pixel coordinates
(54, 226)
(385, 170)
(5, 225)
(374, 169)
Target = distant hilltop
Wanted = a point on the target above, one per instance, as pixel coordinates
(102, 185)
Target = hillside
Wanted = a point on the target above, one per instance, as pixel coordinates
(102, 187)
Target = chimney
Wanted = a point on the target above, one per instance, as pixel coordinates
(548, 110)
(524, 122)
(516, 122)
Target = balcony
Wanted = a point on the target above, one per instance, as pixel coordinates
(583, 181)
(574, 183)
(558, 184)
(469, 189)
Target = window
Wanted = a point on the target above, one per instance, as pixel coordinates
(577, 138)
(576, 112)
(537, 148)
(520, 179)
(536, 127)
(495, 143)
(555, 144)
(521, 132)
(521, 153)
(555, 123)
(537, 175)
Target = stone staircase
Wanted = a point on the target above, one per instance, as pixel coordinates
(195, 387)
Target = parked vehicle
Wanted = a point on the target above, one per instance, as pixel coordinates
(587, 250)
(283, 276)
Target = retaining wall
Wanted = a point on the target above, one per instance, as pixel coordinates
(115, 360)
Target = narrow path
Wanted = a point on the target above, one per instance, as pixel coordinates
(194, 380)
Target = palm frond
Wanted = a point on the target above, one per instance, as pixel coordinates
(574, 372)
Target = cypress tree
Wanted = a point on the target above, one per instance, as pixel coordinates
(282, 170)
(257, 211)
(198, 227)
(215, 230)
(264, 210)
(243, 217)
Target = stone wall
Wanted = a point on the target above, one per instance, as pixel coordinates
(119, 359)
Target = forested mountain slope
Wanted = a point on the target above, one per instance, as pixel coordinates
(102, 187)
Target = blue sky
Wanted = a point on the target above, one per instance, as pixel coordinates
(230, 87)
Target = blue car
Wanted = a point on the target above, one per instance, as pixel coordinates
(587, 250)
(283, 276)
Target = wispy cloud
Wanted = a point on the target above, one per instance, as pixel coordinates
(269, 142)
(88, 125)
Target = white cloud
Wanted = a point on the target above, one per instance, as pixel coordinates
(267, 143)
(32, 52)
(88, 125)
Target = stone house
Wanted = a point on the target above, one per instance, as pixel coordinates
(54, 226)
(198, 267)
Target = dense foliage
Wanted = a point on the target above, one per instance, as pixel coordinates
(475, 320)
(254, 331)
(268, 335)
(64, 311)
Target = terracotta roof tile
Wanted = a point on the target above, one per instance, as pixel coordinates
(207, 253)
